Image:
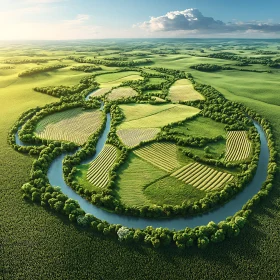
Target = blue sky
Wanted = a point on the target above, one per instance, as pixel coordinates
(86, 19)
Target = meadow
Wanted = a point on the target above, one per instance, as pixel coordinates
(147, 116)
(36, 242)
(183, 90)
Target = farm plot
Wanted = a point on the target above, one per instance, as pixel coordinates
(162, 155)
(115, 79)
(202, 177)
(98, 172)
(147, 116)
(183, 90)
(100, 92)
(134, 175)
(74, 125)
(122, 92)
(132, 137)
(238, 147)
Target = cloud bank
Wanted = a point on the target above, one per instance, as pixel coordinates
(193, 21)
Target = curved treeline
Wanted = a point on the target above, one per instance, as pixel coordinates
(205, 67)
(111, 63)
(6, 67)
(248, 60)
(86, 68)
(85, 86)
(42, 69)
(26, 60)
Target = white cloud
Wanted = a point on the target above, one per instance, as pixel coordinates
(192, 20)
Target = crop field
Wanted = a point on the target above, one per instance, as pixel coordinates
(200, 127)
(100, 92)
(121, 92)
(134, 175)
(182, 90)
(202, 177)
(115, 79)
(132, 137)
(171, 191)
(145, 115)
(162, 155)
(74, 125)
(98, 172)
(238, 146)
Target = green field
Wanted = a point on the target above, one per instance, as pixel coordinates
(121, 92)
(115, 79)
(133, 176)
(37, 244)
(182, 90)
(200, 127)
(170, 191)
(145, 115)
(162, 155)
(133, 137)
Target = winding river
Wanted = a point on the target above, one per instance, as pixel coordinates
(55, 176)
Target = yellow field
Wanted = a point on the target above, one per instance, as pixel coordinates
(74, 125)
(147, 116)
(100, 92)
(238, 146)
(115, 79)
(122, 92)
(132, 137)
(162, 155)
(98, 172)
(182, 90)
(202, 176)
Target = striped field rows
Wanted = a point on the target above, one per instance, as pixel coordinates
(72, 125)
(133, 136)
(98, 172)
(162, 155)
(238, 147)
(122, 92)
(202, 176)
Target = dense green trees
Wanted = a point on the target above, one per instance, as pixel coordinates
(86, 68)
(111, 63)
(37, 70)
(210, 67)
